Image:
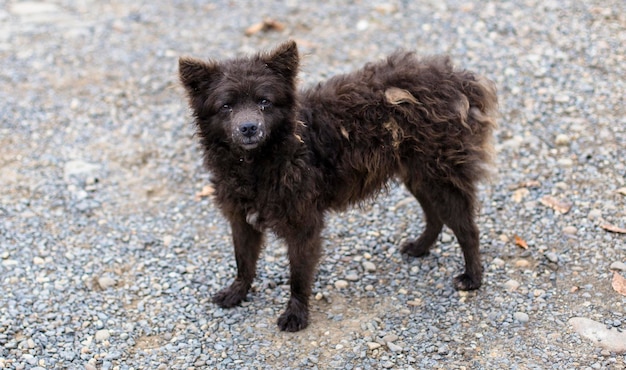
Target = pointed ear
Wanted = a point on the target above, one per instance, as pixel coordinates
(284, 59)
(196, 75)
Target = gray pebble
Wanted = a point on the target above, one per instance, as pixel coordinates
(394, 347)
(369, 266)
(521, 317)
(552, 257)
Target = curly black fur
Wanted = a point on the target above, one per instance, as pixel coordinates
(281, 158)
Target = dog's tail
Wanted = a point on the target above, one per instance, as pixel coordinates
(479, 109)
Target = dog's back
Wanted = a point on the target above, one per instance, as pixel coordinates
(401, 116)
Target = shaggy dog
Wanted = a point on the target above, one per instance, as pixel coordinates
(281, 158)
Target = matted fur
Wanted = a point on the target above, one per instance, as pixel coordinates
(280, 159)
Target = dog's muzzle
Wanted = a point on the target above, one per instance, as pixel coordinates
(249, 134)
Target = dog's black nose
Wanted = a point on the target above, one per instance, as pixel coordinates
(248, 129)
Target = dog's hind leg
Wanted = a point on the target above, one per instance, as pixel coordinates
(419, 247)
(456, 208)
(304, 252)
(247, 242)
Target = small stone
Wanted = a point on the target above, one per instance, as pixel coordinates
(511, 285)
(522, 263)
(33, 7)
(352, 277)
(621, 266)
(561, 98)
(521, 317)
(167, 240)
(570, 230)
(498, 263)
(319, 296)
(562, 139)
(552, 257)
(341, 284)
(369, 266)
(373, 345)
(595, 214)
(102, 335)
(79, 169)
(30, 343)
(446, 238)
(362, 25)
(390, 338)
(106, 282)
(38, 261)
(609, 339)
(394, 347)
(565, 162)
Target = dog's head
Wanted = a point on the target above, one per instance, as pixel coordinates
(245, 100)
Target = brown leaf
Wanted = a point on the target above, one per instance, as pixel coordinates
(561, 206)
(205, 192)
(520, 242)
(612, 228)
(619, 283)
(268, 24)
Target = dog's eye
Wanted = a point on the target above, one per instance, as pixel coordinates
(226, 108)
(264, 103)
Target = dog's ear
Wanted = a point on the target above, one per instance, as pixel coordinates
(284, 60)
(196, 75)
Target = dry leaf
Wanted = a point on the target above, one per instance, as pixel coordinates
(520, 242)
(205, 192)
(558, 205)
(268, 24)
(612, 228)
(621, 191)
(619, 283)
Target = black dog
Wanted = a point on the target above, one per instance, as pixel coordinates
(281, 158)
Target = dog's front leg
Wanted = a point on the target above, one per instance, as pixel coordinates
(304, 252)
(247, 241)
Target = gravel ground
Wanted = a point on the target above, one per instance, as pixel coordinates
(108, 256)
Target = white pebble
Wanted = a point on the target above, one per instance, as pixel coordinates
(341, 284)
(621, 266)
(102, 335)
(106, 282)
(561, 139)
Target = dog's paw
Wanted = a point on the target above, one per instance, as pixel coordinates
(415, 248)
(295, 317)
(466, 282)
(293, 321)
(229, 297)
